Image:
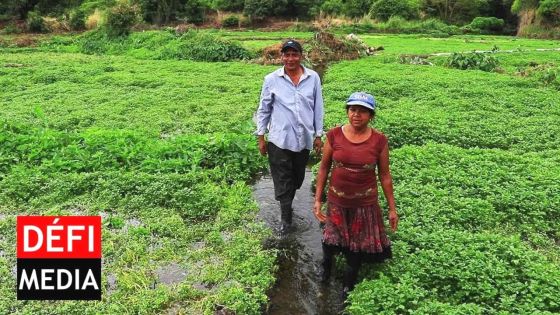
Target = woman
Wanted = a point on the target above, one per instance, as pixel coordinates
(353, 222)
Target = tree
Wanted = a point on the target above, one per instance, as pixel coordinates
(121, 18)
(500, 9)
(520, 5)
(18, 8)
(357, 8)
(333, 7)
(21, 8)
(228, 5)
(195, 10)
(298, 8)
(55, 7)
(384, 9)
(461, 11)
(159, 11)
(259, 9)
(549, 11)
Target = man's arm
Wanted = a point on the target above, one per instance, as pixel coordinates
(318, 113)
(264, 110)
(318, 109)
(263, 115)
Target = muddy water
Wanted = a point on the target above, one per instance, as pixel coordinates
(298, 289)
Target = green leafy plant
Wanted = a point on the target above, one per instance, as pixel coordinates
(77, 20)
(230, 21)
(474, 60)
(121, 18)
(486, 24)
(35, 22)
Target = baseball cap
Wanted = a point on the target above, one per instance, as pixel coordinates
(363, 99)
(291, 44)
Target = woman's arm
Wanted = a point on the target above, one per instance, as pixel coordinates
(324, 169)
(387, 185)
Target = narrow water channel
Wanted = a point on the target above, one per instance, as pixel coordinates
(298, 289)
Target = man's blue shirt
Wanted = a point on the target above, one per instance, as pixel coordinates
(292, 115)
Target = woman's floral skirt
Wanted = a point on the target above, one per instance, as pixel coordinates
(358, 230)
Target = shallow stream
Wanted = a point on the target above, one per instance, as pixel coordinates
(298, 289)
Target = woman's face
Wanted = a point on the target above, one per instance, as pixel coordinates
(358, 116)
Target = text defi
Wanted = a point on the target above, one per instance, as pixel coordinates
(55, 235)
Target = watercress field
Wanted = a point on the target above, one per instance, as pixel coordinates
(163, 150)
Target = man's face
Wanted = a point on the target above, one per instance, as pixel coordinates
(291, 59)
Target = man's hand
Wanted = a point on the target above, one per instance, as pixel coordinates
(318, 145)
(262, 145)
(393, 219)
(317, 211)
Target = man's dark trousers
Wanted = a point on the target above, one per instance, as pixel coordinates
(288, 171)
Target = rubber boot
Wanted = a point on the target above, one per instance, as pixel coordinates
(353, 264)
(286, 218)
(326, 265)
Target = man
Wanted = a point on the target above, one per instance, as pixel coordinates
(291, 111)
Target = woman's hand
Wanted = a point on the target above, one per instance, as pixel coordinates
(393, 219)
(317, 211)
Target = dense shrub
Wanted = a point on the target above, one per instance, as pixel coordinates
(397, 24)
(94, 42)
(35, 22)
(384, 9)
(474, 60)
(77, 20)
(550, 11)
(120, 19)
(143, 45)
(203, 47)
(11, 28)
(435, 25)
(488, 24)
(230, 21)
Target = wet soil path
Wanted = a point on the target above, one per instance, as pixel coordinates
(298, 289)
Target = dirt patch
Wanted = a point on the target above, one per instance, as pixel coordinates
(327, 48)
(183, 28)
(323, 49)
(25, 41)
(271, 55)
(111, 283)
(171, 274)
(273, 25)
